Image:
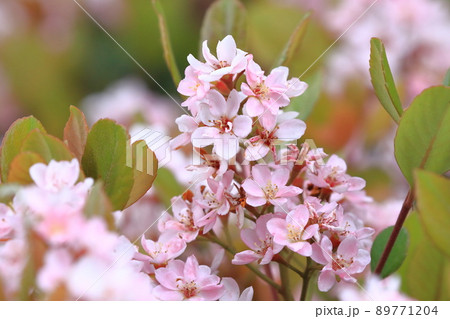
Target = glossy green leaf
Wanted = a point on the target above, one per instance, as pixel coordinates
(423, 135)
(165, 40)
(145, 170)
(304, 104)
(75, 132)
(13, 139)
(397, 255)
(433, 200)
(20, 167)
(293, 44)
(382, 80)
(224, 17)
(47, 146)
(98, 204)
(167, 186)
(427, 276)
(105, 158)
(8, 191)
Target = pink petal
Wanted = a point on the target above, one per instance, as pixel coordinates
(289, 191)
(261, 174)
(242, 126)
(291, 130)
(327, 279)
(254, 152)
(252, 188)
(204, 136)
(255, 201)
(253, 107)
(280, 176)
(245, 257)
(277, 78)
(191, 268)
(226, 49)
(348, 248)
(212, 292)
(295, 87)
(211, 59)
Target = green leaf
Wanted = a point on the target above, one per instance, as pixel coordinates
(224, 17)
(427, 276)
(294, 43)
(397, 254)
(447, 78)
(20, 167)
(165, 40)
(47, 146)
(145, 170)
(98, 204)
(75, 132)
(8, 191)
(423, 135)
(382, 80)
(105, 158)
(304, 103)
(433, 200)
(13, 139)
(167, 186)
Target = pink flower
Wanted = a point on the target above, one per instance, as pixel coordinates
(260, 241)
(168, 247)
(269, 187)
(56, 175)
(232, 292)
(187, 281)
(186, 125)
(293, 231)
(230, 60)
(186, 216)
(333, 176)
(375, 289)
(192, 86)
(348, 259)
(223, 127)
(289, 129)
(57, 265)
(328, 217)
(266, 94)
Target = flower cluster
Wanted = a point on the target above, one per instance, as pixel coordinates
(289, 197)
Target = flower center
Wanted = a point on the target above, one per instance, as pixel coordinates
(270, 190)
(261, 91)
(339, 262)
(294, 233)
(224, 125)
(189, 289)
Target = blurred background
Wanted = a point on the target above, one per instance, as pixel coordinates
(53, 55)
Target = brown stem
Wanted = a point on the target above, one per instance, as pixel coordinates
(407, 204)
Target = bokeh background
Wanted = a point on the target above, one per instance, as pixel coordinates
(53, 55)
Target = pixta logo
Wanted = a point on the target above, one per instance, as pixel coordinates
(140, 149)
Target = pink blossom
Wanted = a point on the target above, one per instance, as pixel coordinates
(348, 259)
(294, 231)
(186, 125)
(260, 242)
(56, 175)
(9, 222)
(224, 127)
(232, 292)
(328, 216)
(269, 187)
(187, 281)
(265, 140)
(266, 94)
(229, 60)
(186, 216)
(375, 289)
(192, 86)
(333, 176)
(168, 247)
